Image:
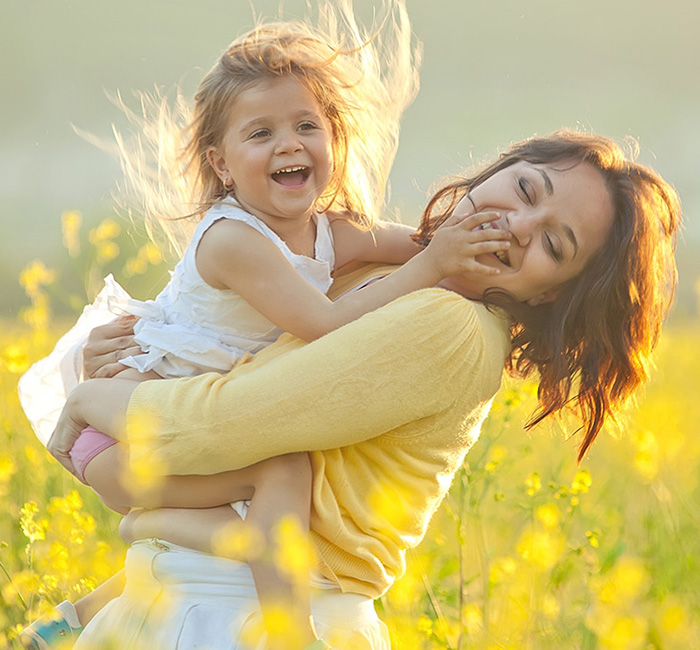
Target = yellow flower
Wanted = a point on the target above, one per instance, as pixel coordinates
(403, 592)
(646, 460)
(512, 397)
(550, 606)
(59, 558)
(627, 580)
(391, 503)
(541, 548)
(582, 482)
(7, 468)
(533, 483)
(35, 276)
(151, 253)
(14, 359)
(676, 624)
(424, 625)
(32, 455)
(473, 618)
(548, 515)
(502, 568)
(106, 231)
(70, 226)
(238, 542)
(106, 252)
(292, 548)
(593, 539)
(496, 456)
(146, 469)
(626, 633)
(135, 266)
(32, 530)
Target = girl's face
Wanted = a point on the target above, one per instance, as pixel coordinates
(277, 151)
(557, 215)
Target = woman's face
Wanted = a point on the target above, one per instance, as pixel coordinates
(557, 215)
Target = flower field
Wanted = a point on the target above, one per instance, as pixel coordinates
(530, 550)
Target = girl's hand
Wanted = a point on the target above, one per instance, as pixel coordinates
(69, 426)
(107, 344)
(458, 241)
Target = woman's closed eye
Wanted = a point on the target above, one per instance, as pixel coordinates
(526, 190)
(552, 248)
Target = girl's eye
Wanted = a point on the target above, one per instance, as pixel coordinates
(307, 126)
(552, 248)
(260, 133)
(526, 190)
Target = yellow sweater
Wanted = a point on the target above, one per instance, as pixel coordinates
(388, 405)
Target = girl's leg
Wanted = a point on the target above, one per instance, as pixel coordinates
(107, 474)
(280, 510)
(87, 606)
(278, 516)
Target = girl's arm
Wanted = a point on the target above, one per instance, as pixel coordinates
(232, 255)
(385, 242)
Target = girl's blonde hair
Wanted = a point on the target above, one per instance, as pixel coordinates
(362, 79)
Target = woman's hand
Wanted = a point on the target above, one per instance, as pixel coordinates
(68, 428)
(107, 344)
(101, 403)
(458, 241)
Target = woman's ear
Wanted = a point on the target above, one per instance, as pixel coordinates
(548, 296)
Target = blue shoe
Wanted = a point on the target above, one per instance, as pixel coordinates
(51, 632)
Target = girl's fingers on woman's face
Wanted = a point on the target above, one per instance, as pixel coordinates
(470, 221)
(479, 219)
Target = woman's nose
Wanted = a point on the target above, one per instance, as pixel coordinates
(522, 226)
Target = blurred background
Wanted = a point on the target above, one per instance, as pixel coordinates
(494, 71)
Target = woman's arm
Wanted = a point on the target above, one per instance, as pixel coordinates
(404, 362)
(232, 255)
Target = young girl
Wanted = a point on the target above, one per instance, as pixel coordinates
(285, 158)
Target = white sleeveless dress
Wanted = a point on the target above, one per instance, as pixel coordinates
(190, 328)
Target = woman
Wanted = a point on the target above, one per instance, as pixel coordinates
(390, 404)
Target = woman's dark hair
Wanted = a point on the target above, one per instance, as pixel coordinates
(591, 346)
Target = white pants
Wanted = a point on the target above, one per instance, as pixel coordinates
(179, 599)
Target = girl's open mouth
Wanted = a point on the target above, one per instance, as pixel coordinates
(293, 176)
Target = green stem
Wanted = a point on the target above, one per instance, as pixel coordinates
(12, 582)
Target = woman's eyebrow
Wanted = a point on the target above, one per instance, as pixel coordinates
(571, 236)
(548, 186)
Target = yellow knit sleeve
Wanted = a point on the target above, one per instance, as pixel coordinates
(392, 366)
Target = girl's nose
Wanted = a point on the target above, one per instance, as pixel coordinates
(288, 143)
